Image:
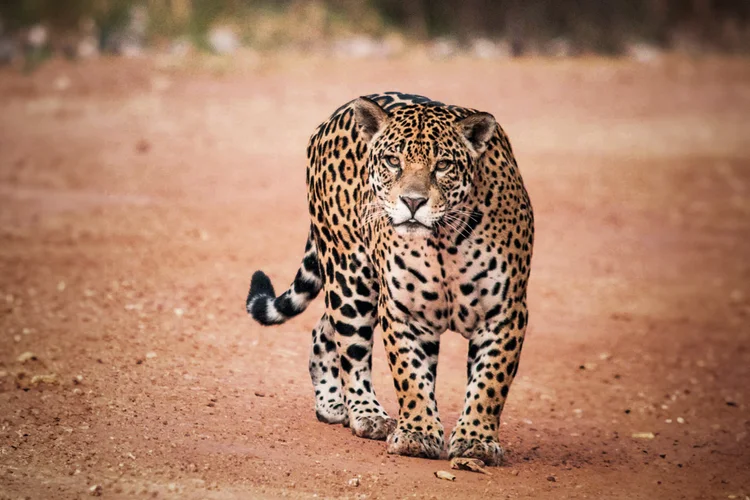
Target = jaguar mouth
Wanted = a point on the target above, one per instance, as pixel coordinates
(412, 224)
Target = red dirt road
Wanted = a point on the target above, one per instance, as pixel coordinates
(136, 201)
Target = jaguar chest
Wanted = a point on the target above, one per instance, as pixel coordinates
(439, 289)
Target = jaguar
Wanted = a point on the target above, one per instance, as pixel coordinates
(419, 224)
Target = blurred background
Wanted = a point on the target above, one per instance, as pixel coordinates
(35, 29)
(152, 156)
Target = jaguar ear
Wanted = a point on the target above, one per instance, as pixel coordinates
(478, 130)
(369, 116)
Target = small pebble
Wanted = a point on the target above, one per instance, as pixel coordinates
(551, 479)
(643, 435)
(44, 379)
(95, 491)
(441, 474)
(353, 482)
(26, 356)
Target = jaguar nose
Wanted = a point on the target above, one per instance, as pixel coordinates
(413, 202)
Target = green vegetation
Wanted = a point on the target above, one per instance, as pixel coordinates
(604, 26)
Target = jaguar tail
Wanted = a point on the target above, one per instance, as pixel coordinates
(268, 309)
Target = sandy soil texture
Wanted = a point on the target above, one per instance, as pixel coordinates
(136, 200)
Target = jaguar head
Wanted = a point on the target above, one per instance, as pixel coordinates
(422, 162)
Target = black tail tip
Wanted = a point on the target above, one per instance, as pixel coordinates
(260, 284)
(261, 291)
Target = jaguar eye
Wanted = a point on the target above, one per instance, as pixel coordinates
(393, 162)
(443, 166)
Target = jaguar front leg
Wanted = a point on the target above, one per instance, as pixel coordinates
(494, 352)
(412, 356)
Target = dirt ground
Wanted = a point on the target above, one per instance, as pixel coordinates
(136, 199)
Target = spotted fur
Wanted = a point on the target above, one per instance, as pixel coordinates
(420, 223)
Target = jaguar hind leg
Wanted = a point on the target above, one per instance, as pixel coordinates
(325, 374)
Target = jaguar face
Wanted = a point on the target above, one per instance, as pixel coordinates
(421, 163)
